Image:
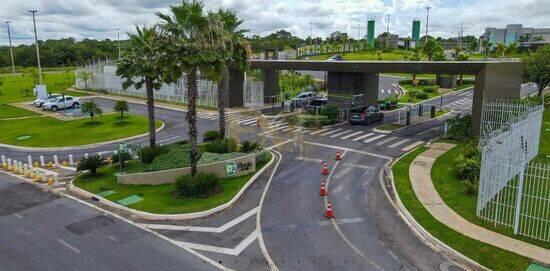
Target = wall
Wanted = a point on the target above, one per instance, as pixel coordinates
(169, 176)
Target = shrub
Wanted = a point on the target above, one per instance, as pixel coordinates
(421, 95)
(231, 144)
(249, 146)
(210, 157)
(148, 154)
(200, 186)
(467, 168)
(263, 157)
(470, 187)
(458, 128)
(92, 163)
(405, 82)
(431, 89)
(221, 146)
(177, 157)
(212, 136)
(332, 112)
(125, 157)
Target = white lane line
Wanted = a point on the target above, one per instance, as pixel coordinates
(69, 246)
(276, 125)
(250, 122)
(318, 131)
(209, 117)
(350, 135)
(386, 140)
(412, 146)
(339, 134)
(429, 130)
(288, 129)
(374, 138)
(298, 130)
(279, 128)
(331, 132)
(219, 229)
(363, 136)
(398, 143)
(247, 120)
(228, 251)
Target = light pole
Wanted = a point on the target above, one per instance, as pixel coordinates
(427, 21)
(118, 39)
(388, 31)
(37, 50)
(11, 49)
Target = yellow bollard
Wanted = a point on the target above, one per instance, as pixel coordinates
(51, 181)
(65, 163)
(4, 165)
(36, 164)
(49, 165)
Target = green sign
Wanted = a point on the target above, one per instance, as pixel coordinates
(231, 169)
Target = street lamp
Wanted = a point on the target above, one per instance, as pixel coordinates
(427, 21)
(118, 39)
(11, 48)
(36, 43)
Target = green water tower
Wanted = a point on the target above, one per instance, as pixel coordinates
(416, 30)
(370, 33)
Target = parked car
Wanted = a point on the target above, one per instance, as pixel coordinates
(304, 98)
(61, 103)
(40, 101)
(365, 115)
(319, 102)
(336, 58)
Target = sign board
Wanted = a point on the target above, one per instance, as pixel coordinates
(40, 92)
(231, 169)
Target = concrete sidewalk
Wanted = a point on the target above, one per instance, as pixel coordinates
(420, 175)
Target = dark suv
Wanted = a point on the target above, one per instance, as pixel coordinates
(365, 115)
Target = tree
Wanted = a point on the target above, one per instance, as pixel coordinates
(193, 42)
(511, 49)
(236, 57)
(140, 65)
(500, 50)
(536, 68)
(461, 57)
(415, 57)
(84, 76)
(486, 45)
(92, 163)
(92, 109)
(430, 48)
(121, 107)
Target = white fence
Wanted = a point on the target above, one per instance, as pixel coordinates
(514, 189)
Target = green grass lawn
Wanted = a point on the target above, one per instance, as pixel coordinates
(51, 132)
(363, 55)
(7, 111)
(406, 98)
(485, 254)
(160, 199)
(544, 147)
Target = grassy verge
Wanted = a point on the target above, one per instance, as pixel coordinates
(19, 88)
(406, 98)
(159, 198)
(544, 147)
(7, 111)
(50, 132)
(485, 254)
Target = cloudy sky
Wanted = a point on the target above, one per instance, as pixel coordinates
(99, 19)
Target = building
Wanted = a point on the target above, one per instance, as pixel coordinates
(526, 37)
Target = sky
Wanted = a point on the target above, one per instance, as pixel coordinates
(99, 19)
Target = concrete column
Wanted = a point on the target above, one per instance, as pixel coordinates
(234, 95)
(271, 84)
(496, 80)
(371, 81)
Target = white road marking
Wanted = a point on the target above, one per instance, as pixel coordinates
(219, 229)
(374, 138)
(398, 143)
(350, 135)
(429, 130)
(331, 132)
(247, 120)
(69, 246)
(308, 159)
(339, 134)
(363, 136)
(288, 129)
(318, 131)
(412, 146)
(228, 251)
(298, 129)
(250, 122)
(279, 128)
(386, 140)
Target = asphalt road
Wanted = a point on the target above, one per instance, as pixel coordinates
(41, 231)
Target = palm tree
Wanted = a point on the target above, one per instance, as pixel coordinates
(461, 57)
(236, 57)
(193, 42)
(500, 50)
(92, 109)
(139, 66)
(121, 107)
(84, 76)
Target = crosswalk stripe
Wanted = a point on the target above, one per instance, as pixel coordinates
(279, 128)
(246, 120)
(299, 129)
(363, 136)
(386, 140)
(374, 138)
(350, 135)
(331, 132)
(276, 125)
(288, 129)
(249, 122)
(318, 131)
(398, 143)
(339, 134)
(209, 117)
(412, 146)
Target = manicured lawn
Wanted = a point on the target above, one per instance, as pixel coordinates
(406, 98)
(544, 147)
(7, 111)
(485, 254)
(50, 132)
(160, 199)
(451, 187)
(364, 55)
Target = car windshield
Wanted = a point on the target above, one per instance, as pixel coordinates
(302, 95)
(358, 110)
(53, 99)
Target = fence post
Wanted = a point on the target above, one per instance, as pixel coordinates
(519, 194)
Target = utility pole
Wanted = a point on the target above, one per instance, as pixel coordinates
(11, 49)
(310, 36)
(460, 35)
(118, 39)
(387, 31)
(427, 22)
(37, 50)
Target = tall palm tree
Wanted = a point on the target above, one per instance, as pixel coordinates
(236, 57)
(193, 43)
(139, 65)
(500, 50)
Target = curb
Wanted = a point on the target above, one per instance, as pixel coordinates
(156, 217)
(428, 239)
(79, 147)
(412, 125)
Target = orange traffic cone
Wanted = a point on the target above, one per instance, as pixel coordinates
(338, 157)
(325, 171)
(328, 212)
(323, 191)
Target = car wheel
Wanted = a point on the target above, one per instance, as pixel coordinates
(40, 105)
(54, 108)
(76, 105)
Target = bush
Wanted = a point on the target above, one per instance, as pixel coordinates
(263, 157)
(432, 89)
(467, 168)
(210, 157)
(332, 112)
(470, 187)
(212, 136)
(405, 82)
(148, 154)
(221, 146)
(125, 157)
(92, 163)
(421, 95)
(177, 157)
(249, 146)
(458, 128)
(412, 93)
(200, 186)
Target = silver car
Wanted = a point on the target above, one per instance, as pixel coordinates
(40, 101)
(61, 103)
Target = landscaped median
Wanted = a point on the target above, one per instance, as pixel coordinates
(163, 189)
(429, 211)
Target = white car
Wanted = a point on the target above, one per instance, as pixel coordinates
(55, 104)
(40, 101)
(304, 98)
